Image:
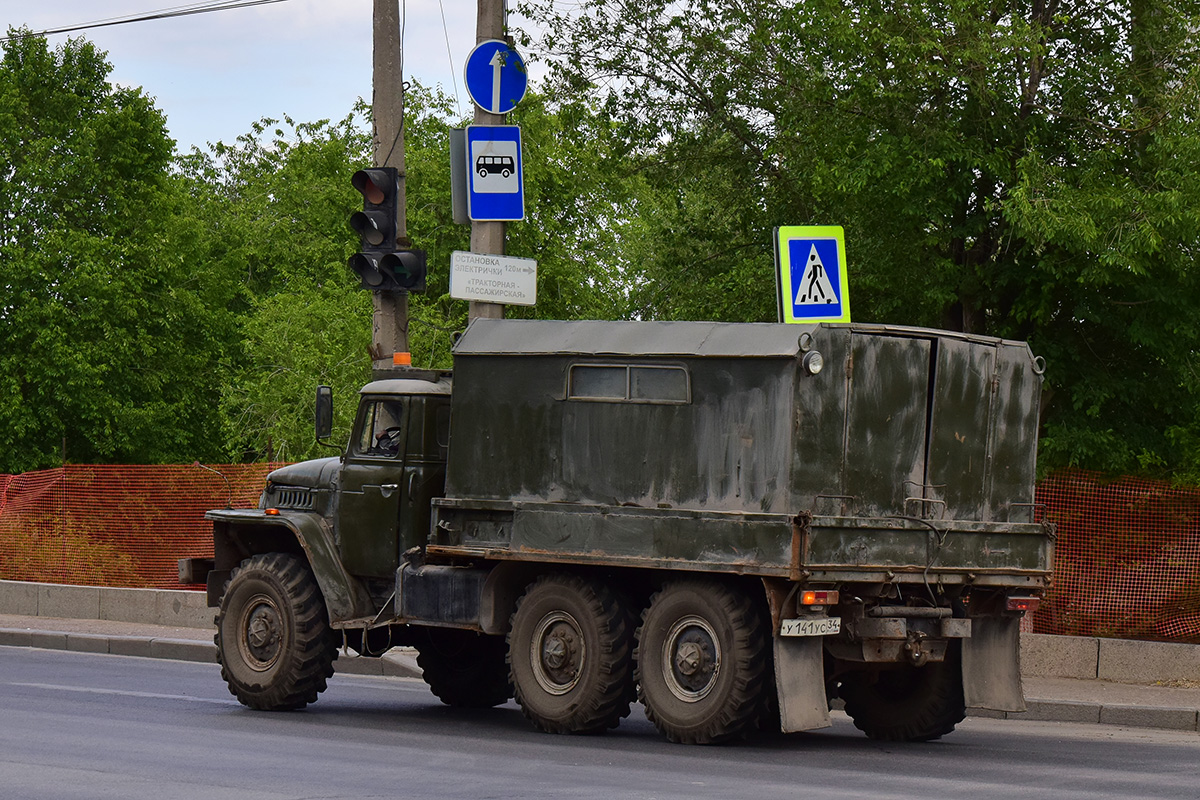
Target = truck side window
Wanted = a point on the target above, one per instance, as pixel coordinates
(630, 383)
(662, 384)
(382, 429)
(598, 382)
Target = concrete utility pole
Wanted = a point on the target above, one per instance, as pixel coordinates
(488, 237)
(389, 328)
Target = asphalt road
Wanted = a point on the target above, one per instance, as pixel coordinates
(79, 725)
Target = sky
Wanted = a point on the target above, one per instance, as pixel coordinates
(214, 74)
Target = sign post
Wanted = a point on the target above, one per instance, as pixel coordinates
(496, 79)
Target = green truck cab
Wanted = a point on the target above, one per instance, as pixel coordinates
(734, 524)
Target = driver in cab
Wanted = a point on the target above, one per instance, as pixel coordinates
(382, 430)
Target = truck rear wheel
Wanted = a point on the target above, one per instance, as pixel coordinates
(464, 669)
(273, 639)
(570, 655)
(908, 704)
(703, 662)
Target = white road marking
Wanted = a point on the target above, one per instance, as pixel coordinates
(125, 693)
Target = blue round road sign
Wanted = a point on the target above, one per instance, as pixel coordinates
(495, 76)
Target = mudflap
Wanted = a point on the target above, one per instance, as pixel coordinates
(991, 664)
(800, 682)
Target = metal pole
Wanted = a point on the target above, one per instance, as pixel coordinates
(389, 325)
(488, 237)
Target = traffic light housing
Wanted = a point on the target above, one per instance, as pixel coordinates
(398, 271)
(406, 268)
(380, 265)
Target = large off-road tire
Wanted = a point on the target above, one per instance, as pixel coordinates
(273, 639)
(570, 655)
(703, 662)
(463, 668)
(907, 704)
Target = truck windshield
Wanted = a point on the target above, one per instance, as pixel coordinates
(381, 432)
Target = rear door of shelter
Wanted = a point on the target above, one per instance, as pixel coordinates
(884, 456)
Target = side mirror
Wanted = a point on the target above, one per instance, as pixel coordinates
(324, 415)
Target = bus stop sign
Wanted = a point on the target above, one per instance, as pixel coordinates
(495, 182)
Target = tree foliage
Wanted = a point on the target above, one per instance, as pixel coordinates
(106, 333)
(164, 307)
(1021, 168)
(271, 211)
(1017, 168)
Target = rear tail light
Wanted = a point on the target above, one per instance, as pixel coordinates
(1023, 603)
(819, 598)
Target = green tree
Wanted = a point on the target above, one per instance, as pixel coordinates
(1020, 169)
(271, 213)
(107, 331)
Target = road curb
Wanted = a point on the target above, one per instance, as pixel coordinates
(1082, 712)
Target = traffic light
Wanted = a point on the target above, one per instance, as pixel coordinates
(380, 265)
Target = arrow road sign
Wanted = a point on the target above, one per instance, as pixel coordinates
(495, 76)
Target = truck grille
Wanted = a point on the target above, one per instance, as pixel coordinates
(300, 499)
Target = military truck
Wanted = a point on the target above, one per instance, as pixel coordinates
(734, 524)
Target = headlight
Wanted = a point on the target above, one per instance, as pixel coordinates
(813, 362)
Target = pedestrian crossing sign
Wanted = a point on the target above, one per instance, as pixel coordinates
(810, 265)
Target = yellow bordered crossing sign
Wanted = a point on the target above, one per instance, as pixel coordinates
(810, 263)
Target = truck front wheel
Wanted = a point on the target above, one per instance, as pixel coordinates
(907, 704)
(273, 639)
(703, 662)
(570, 655)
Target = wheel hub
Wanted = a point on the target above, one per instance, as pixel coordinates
(692, 659)
(262, 633)
(557, 653)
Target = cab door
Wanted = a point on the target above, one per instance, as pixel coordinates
(372, 487)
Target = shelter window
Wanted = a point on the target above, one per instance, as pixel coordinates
(629, 383)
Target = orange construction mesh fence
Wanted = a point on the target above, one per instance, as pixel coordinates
(115, 525)
(1126, 560)
(1127, 555)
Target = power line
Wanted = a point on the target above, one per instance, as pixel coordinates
(450, 57)
(164, 13)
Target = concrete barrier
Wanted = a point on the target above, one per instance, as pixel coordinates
(1117, 660)
(1128, 661)
(1044, 656)
(178, 609)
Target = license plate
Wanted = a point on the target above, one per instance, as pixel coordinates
(816, 626)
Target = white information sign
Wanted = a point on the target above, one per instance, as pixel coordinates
(493, 279)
